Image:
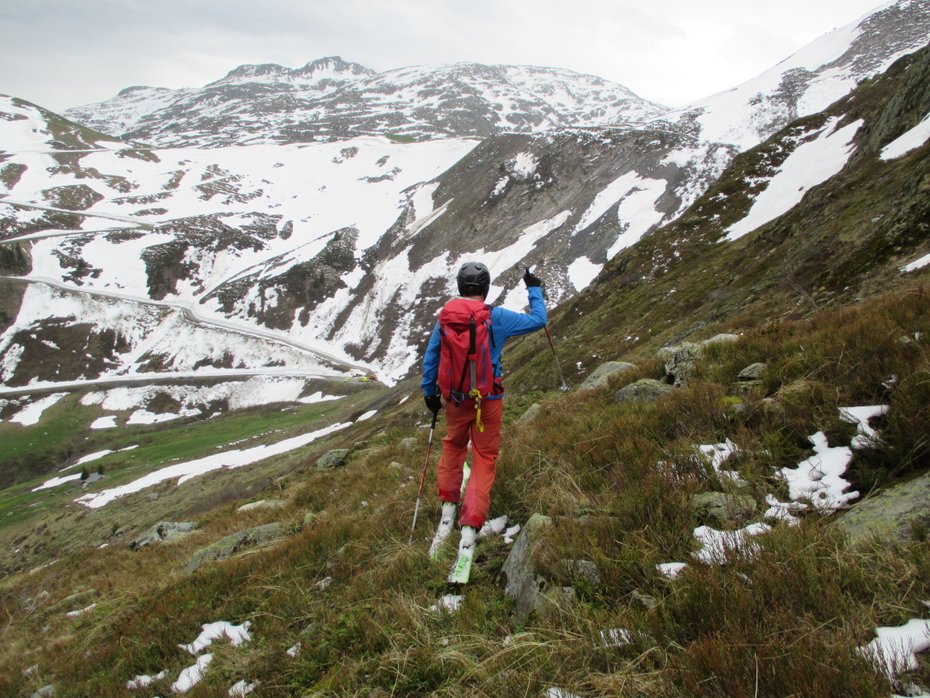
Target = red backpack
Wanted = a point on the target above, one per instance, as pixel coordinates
(465, 368)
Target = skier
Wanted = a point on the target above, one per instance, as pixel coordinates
(473, 414)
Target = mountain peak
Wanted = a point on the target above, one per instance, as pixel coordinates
(334, 64)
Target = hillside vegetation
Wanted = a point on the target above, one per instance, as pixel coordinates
(609, 490)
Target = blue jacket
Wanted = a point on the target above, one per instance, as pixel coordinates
(504, 324)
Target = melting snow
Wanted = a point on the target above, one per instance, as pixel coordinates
(451, 603)
(144, 680)
(716, 544)
(32, 413)
(582, 271)
(108, 422)
(917, 264)
(236, 634)
(185, 471)
(192, 675)
(811, 163)
(55, 481)
(909, 141)
(819, 478)
(894, 650)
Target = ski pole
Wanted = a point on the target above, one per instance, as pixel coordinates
(565, 387)
(429, 447)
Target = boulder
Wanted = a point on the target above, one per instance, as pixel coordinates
(721, 339)
(44, 692)
(409, 443)
(898, 513)
(680, 361)
(530, 414)
(524, 584)
(580, 571)
(753, 372)
(644, 390)
(718, 508)
(334, 459)
(599, 376)
(161, 532)
(262, 504)
(225, 548)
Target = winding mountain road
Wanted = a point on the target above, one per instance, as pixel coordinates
(190, 314)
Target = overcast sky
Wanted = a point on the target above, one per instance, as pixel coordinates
(64, 53)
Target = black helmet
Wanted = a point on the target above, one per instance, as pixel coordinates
(474, 279)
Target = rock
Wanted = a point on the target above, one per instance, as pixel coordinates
(262, 504)
(898, 513)
(798, 390)
(644, 600)
(599, 376)
(643, 390)
(81, 597)
(556, 598)
(161, 532)
(92, 479)
(581, 570)
(394, 465)
(523, 583)
(721, 339)
(752, 372)
(530, 414)
(334, 459)
(226, 547)
(409, 443)
(680, 361)
(719, 508)
(44, 692)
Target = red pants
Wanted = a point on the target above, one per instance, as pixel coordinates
(485, 446)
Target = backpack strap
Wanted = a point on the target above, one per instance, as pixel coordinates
(475, 394)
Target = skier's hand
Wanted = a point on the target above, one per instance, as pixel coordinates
(530, 279)
(433, 403)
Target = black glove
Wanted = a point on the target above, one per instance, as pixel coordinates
(433, 403)
(530, 279)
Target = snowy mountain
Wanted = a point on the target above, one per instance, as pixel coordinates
(330, 99)
(340, 250)
(809, 80)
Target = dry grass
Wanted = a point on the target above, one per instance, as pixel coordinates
(617, 479)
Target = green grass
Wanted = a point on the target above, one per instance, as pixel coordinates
(63, 436)
(787, 621)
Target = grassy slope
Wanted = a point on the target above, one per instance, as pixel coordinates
(786, 622)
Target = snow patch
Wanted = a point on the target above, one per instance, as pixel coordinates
(582, 272)
(811, 163)
(236, 634)
(32, 413)
(185, 471)
(908, 141)
(917, 264)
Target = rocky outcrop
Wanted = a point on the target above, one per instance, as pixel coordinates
(644, 390)
(680, 360)
(600, 376)
(163, 532)
(719, 508)
(524, 584)
(333, 459)
(898, 513)
(230, 545)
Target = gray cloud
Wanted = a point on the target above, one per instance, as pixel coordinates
(62, 54)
